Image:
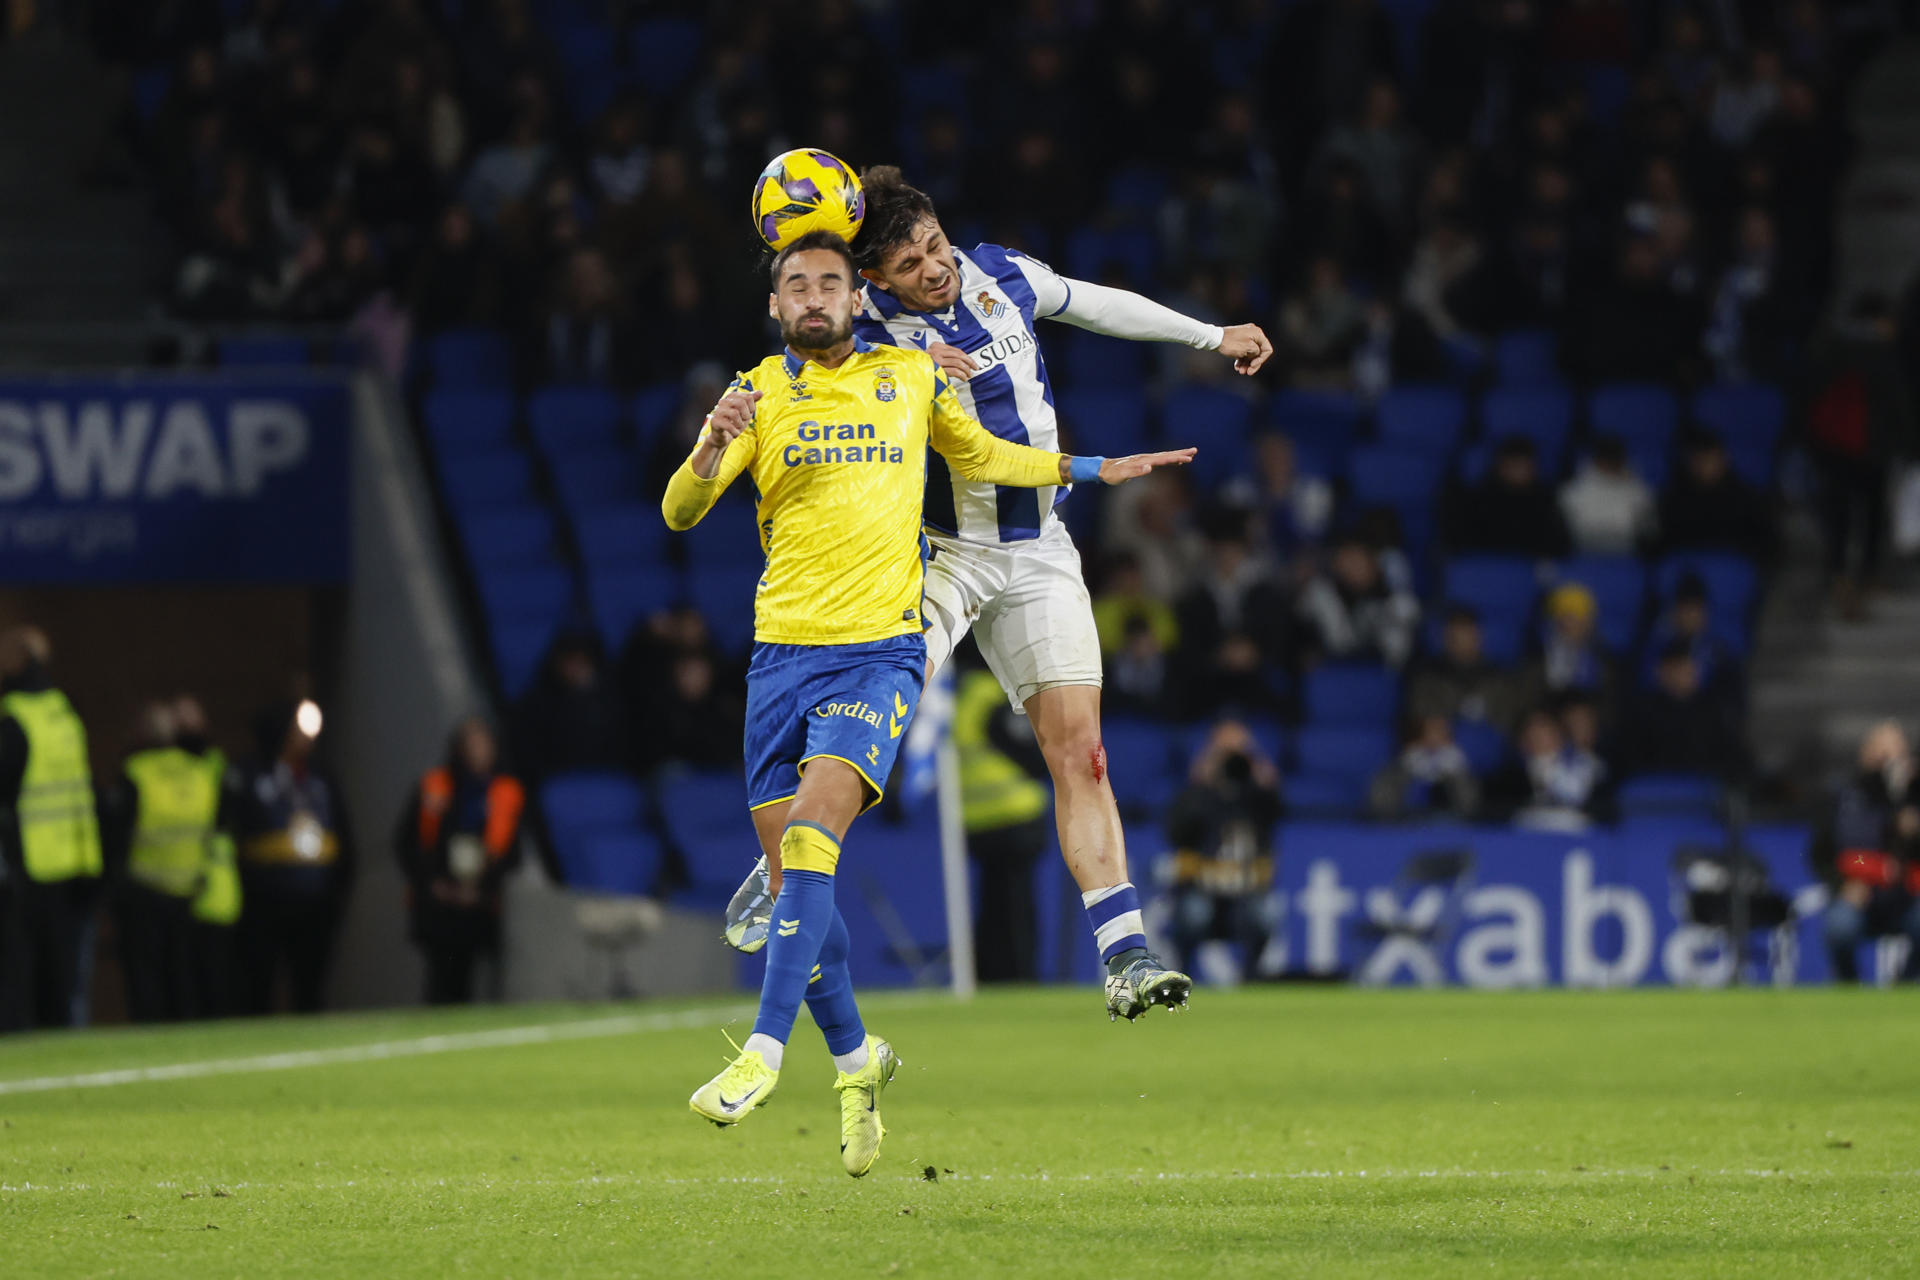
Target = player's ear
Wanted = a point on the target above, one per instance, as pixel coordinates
(773, 306)
(872, 277)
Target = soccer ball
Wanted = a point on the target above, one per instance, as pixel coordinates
(806, 190)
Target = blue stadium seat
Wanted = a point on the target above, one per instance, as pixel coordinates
(1398, 478)
(1327, 795)
(1351, 694)
(1104, 422)
(626, 862)
(586, 52)
(1094, 254)
(264, 351)
(1141, 755)
(492, 478)
(518, 649)
(1619, 586)
(652, 410)
(1137, 191)
(511, 537)
(538, 593)
(470, 358)
(596, 477)
(567, 420)
(1485, 747)
(622, 535)
(727, 538)
(1502, 587)
(1639, 413)
(1526, 357)
(724, 595)
(1323, 426)
(1430, 420)
(593, 801)
(1742, 414)
(662, 54)
(1217, 423)
(1542, 414)
(704, 813)
(623, 597)
(150, 88)
(1670, 795)
(461, 418)
(1095, 360)
(1352, 751)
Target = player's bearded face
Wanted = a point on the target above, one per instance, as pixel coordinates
(814, 302)
(817, 328)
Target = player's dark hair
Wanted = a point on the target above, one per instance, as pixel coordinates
(894, 209)
(827, 240)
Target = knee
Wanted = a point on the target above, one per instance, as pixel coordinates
(1076, 754)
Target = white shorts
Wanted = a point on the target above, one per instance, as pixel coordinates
(1026, 604)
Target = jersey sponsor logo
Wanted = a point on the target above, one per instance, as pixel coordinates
(808, 452)
(999, 352)
(884, 387)
(989, 305)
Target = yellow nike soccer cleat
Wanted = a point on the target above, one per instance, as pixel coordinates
(727, 1098)
(860, 1127)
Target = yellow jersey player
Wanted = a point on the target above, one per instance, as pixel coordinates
(834, 434)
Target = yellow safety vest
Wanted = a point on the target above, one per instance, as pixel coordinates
(994, 791)
(219, 900)
(179, 801)
(59, 834)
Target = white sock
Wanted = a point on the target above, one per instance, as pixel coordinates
(852, 1062)
(767, 1047)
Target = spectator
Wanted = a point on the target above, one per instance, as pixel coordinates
(159, 818)
(1321, 325)
(589, 333)
(1381, 149)
(1004, 807)
(1859, 420)
(296, 862)
(49, 839)
(458, 841)
(1709, 507)
(1572, 659)
(217, 905)
(1449, 284)
(1557, 784)
(1754, 307)
(1353, 613)
(1221, 829)
(1510, 511)
(698, 721)
(1677, 727)
(504, 174)
(1640, 328)
(1867, 849)
(1688, 621)
(571, 718)
(1291, 508)
(1609, 509)
(456, 283)
(1431, 777)
(1124, 601)
(620, 157)
(1459, 683)
(1138, 675)
(1233, 619)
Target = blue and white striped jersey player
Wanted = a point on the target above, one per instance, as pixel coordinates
(1003, 564)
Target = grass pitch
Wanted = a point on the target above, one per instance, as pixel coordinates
(1267, 1132)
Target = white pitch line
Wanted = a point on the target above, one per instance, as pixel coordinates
(457, 1042)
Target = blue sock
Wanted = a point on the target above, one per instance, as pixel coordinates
(830, 993)
(1114, 913)
(803, 914)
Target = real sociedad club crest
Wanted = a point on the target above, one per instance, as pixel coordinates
(883, 386)
(988, 304)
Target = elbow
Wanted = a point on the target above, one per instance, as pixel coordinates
(678, 517)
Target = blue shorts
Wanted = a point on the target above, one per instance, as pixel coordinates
(851, 702)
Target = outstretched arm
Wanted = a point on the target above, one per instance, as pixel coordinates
(726, 446)
(978, 454)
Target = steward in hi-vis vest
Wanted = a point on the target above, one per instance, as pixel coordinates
(49, 839)
(296, 862)
(164, 828)
(1005, 808)
(459, 838)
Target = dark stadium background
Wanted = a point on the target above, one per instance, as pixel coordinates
(1674, 234)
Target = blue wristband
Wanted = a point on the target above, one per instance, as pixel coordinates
(1084, 470)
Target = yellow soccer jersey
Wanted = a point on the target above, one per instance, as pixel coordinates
(839, 457)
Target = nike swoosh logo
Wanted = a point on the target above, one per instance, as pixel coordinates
(740, 1101)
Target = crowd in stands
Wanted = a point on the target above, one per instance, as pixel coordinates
(1542, 278)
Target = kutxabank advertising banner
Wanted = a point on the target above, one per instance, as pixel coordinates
(189, 479)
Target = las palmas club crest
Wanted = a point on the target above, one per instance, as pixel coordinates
(883, 386)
